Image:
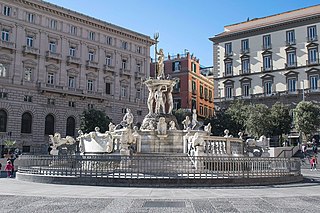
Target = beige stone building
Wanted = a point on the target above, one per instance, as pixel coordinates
(264, 60)
(55, 63)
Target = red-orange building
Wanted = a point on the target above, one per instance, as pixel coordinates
(193, 90)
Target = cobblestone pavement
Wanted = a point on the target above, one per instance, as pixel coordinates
(18, 196)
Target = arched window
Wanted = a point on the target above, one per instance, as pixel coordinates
(26, 123)
(71, 124)
(3, 121)
(49, 125)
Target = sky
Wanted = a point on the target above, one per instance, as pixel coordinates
(183, 25)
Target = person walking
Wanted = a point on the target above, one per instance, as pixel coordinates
(9, 168)
(313, 163)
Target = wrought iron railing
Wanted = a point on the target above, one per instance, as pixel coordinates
(158, 166)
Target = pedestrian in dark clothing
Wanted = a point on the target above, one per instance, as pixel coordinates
(315, 149)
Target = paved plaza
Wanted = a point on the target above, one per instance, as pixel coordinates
(19, 196)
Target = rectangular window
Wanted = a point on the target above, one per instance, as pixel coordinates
(27, 98)
(229, 92)
(176, 66)
(90, 85)
(92, 35)
(138, 67)
(52, 47)
(314, 82)
(228, 49)
(267, 62)
(53, 24)
(244, 46)
(245, 65)
(266, 41)
(228, 68)
(123, 92)
(124, 64)
(71, 82)
(72, 51)
(194, 103)
(3, 70)
(5, 35)
(109, 40)
(3, 95)
(29, 41)
(194, 87)
(201, 90)
(246, 90)
(7, 11)
(290, 40)
(28, 74)
(91, 56)
(312, 56)
(50, 101)
(108, 60)
(108, 88)
(124, 45)
(139, 49)
(176, 104)
(312, 33)
(291, 59)
(268, 88)
(72, 104)
(292, 85)
(50, 78)
(73, 30)
(30, 17)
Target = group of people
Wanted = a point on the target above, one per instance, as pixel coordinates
(313, 159)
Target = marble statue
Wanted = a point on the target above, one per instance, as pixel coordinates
(162, 126)
(207, 128)
(186, 123)
(136, 139)
(197, 140)
(160, 103)
(112, 127)
(170, 98)
(160, 64)
(128, 118)
(58, 141)
(150, 100)
(194, 121)
(172, 125)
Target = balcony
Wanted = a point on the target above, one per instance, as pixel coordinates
(266, 47)
(291, 42)
(52, 55)
(125, 72)
(30, 50)
(244, 72)
(228, 74)
(92, 64)
(73, 60)
(244, 51)
(312, 38)
(266, 69)
(108, 68)
(313, 62)
(290, 65)
(228, 54)
(7, 45)
(138, 75)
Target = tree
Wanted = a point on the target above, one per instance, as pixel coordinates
(94, 118)
(221, 121)
(180, 115)
(280, 120)
(259, 120)
(307, 118)
(238, 112)
(9, 144)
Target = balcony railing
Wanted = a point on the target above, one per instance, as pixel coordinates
(7, 44)
(291, 65)
(52, 55)
(30, 50)
(244, 51)
(73, 60)
(194, 91)
(265, 69)
(108, 68)
(291, 42)
(92, 64)
(313, 62)
(125, 72)
(244, 72)
(266, 47)
(229, 73)
(312, 38)
(228, 54)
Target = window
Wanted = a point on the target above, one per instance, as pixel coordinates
(139, 112)
(194, 87)
(49, 125)
(27, 98)
(72, 104)
(3, 95)
(71, 82)
(90, 106)
(50, 78)
(245, 65)
(3, 70)
(314, 82)
(92, 35)
(108, 88)
(90, 85)
(201, 90)
(228, 68)
(312, 56)
(53, 24)
(50, 101)
(108, 60)
(228, 49)
(28, 74)
(268, 88)
(5, 35)
(290, 37)
(26, 123)
(72, 51)
(7, 11)
(229, 92)
(291, 59)
(292, 85)
(25, 149)
(177, 104)
(138, 94)
(52, 47)
(73, 30)
(123, 91)
(246, 90)
(71, 126)
(139, 49)
(124, 64)
(194, 104)
(267, 62)
(109, 40)
(29, 41)
(124, 45)
(201, 110)
(138, 67)
(91, 56)
(3, 121)
(312, 33)
(266, 41)
(194, 67)
(176, 66)
(244, 46)
(30, 17)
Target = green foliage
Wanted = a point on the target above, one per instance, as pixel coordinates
(238, 112)
(9, 144)
(280, 119)
(221, 121)
(180, 115)
(94, 118)
(307, 117)
(259, 120)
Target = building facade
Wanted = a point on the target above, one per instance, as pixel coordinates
(270, 59)
(56, 63)
(193, 89)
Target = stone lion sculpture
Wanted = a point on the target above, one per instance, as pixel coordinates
(162, 126)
